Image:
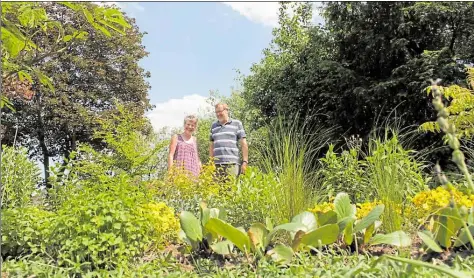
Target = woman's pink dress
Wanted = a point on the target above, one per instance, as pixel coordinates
(186, 156)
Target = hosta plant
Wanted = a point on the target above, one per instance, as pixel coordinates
(196, 234)
(353, 228)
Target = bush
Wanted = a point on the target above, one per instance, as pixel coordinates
(252, 198)
(344, 173)
(105, 226)
(25, 231)
(20, 177)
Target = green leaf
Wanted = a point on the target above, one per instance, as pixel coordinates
(463, 236)
(268, 223)
(67, 38)
(368, 233)
(430, 242)
(258, 235)
(45, 80)
(398, 238)
(281, 254)
(289, 227)
(307, 219)
(349, 232)
(324, 235)
(71, 5)
(345, 221)
(223, 247)
(23, 74)
(237, 237)
(343, 206)
(329, 217)
(446, 226)
(191, 226)
(370, 219)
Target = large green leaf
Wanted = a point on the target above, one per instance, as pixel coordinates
(223, 247)
(258, 235)
(343, 206)
(324, 235)
(446, 225)
(368, 233)
(329, 217)
(191, 226)
(307, 219)
(289, 227)
(463, 236)
(236, 236)
(349, 232)
(430, 242)
(398, 238)
(345, 221)
(370, 219)
(281, 254)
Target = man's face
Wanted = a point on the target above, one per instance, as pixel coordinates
(221, 113)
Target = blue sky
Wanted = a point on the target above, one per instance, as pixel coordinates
(195, 47)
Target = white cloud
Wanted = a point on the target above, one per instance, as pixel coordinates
(266, 13)
(171, 113)
(259, 12)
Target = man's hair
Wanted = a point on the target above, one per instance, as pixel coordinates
(224, 105)
(190, 118)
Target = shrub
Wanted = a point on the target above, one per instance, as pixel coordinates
(25, 231)
(183, 192)
(252, 198)
(344, 173)
(163, 220)
(20, 177)
(101, 225)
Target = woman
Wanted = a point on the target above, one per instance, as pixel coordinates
(183, 148)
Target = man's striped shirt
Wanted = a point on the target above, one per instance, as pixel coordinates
(225, 138)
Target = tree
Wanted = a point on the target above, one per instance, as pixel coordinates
(370, 62)
(87, 79)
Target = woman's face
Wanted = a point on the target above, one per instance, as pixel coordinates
(190, 126)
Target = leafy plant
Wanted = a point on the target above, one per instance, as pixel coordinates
(196, 233)
(350, 226)
(344, 173)
(26, 230)
(20, 177)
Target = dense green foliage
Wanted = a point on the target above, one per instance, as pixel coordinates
(365, 208)
(368, 60)
(20, 177)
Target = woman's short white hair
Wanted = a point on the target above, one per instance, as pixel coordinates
(191, 118)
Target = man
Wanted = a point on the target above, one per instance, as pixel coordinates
(225, 133)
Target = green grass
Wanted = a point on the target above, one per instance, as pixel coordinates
(326, 264)
(291, 153)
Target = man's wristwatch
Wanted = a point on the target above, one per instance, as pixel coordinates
(245, 161)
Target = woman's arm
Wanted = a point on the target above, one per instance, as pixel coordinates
(173, 143)
(197, 153)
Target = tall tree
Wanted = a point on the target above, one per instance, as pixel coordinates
(87, 79)
(370, 59)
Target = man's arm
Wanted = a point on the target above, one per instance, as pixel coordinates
(245, 149)
(211, 149)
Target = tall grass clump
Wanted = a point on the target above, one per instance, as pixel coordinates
(291, 153)
(394, 175)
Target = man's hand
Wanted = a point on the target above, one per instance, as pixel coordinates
(243, 167)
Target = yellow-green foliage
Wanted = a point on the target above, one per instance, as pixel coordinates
(162, 219)
(180, 183)
(460, 110)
